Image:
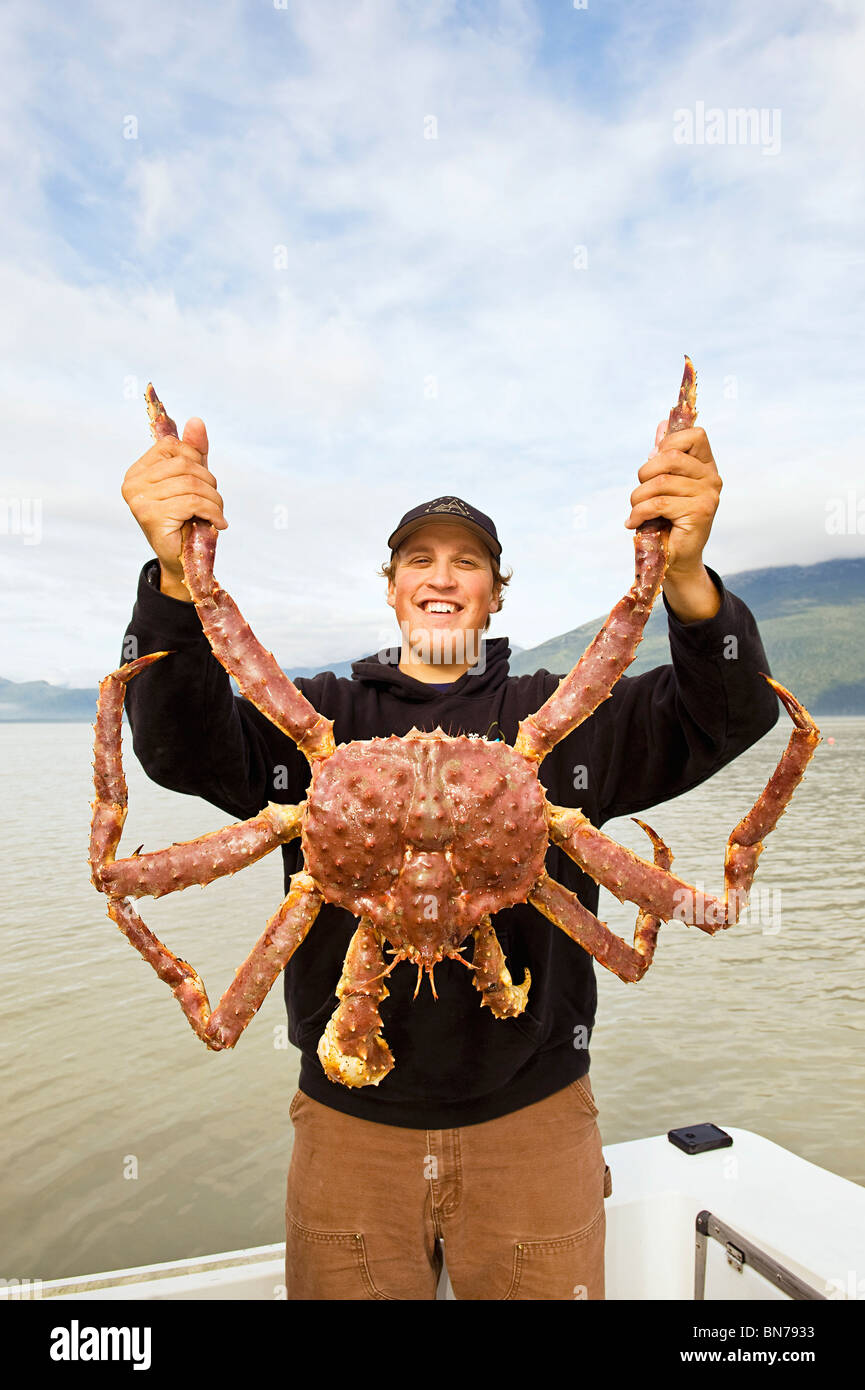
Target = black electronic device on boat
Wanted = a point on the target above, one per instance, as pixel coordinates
(698, 1139)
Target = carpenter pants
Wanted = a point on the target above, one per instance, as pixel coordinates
(518, 1203)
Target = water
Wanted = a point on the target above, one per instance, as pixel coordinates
(126, 1142)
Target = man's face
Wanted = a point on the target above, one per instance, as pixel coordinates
(443, 587)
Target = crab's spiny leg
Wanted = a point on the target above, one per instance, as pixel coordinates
(195, 861)
(612, 651)
(648, 926)
(244, 996)
(632, 879)
(565, 910)
(684, 412)
(746, 841)
(109, 814)
(628, 877)
(493, 978)
(254, 668)
(201, 861)
(352, 1049)
(239, 844)
(161, 425)
(186, 985)
(109, 807)
(269, 956)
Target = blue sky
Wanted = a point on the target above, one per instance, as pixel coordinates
(366, 317)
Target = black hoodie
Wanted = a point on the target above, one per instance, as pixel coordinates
(659, 734)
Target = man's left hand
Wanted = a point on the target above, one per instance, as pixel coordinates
(679, 481)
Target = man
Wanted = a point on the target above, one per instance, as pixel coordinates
(484, 1134)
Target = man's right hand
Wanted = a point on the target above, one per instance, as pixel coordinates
(164, 489)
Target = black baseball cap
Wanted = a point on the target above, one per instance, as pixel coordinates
(447, 509)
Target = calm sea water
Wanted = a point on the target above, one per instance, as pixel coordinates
(126, 1142)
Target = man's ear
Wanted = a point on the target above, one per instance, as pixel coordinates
(391, 593)
(495, 603)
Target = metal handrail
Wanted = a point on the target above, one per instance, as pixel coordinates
(741, 1252)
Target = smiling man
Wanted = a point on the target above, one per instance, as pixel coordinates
(444, 584)
(484, 1135)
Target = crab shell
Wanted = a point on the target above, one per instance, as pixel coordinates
(425, 835)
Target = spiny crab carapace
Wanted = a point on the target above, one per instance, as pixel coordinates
(422, 838)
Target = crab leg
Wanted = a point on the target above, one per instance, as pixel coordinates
(185, 982)
(632, 879)
(245, 995)
(269, 956)
(211, 856)
(254, 668)
(194, 861)
(648, 925)
(109, 807)
(203, 860)
(612, 651)
(352, 1049)
(564, 908)
(493, 978)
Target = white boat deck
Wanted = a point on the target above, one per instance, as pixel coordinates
(810, 1220)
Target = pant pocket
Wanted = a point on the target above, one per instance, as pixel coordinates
(582, 1089)
(569, 1268)
(326, 1264)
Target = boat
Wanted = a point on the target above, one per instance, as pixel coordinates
(750, 1221)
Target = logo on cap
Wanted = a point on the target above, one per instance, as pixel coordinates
(448, 504)
(445, 507)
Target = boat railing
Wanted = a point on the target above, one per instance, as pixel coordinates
(741, 1252)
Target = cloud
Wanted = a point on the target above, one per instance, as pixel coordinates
(349, 238)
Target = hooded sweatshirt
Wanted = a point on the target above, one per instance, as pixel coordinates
(657, 736)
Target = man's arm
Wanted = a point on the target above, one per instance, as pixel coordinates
(666, 731)
(190, 732)
(691, 595)
(680, 481)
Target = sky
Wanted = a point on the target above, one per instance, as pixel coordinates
(391, 251)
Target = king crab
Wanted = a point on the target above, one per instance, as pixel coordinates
(422, 838)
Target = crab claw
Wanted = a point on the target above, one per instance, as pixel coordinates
(351, 1049)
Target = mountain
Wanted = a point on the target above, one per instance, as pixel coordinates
(38, 701)
(812, 621)
(339, 668)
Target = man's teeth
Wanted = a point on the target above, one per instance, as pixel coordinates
(439, 608)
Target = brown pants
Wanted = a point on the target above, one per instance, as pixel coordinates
(518, 1203)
